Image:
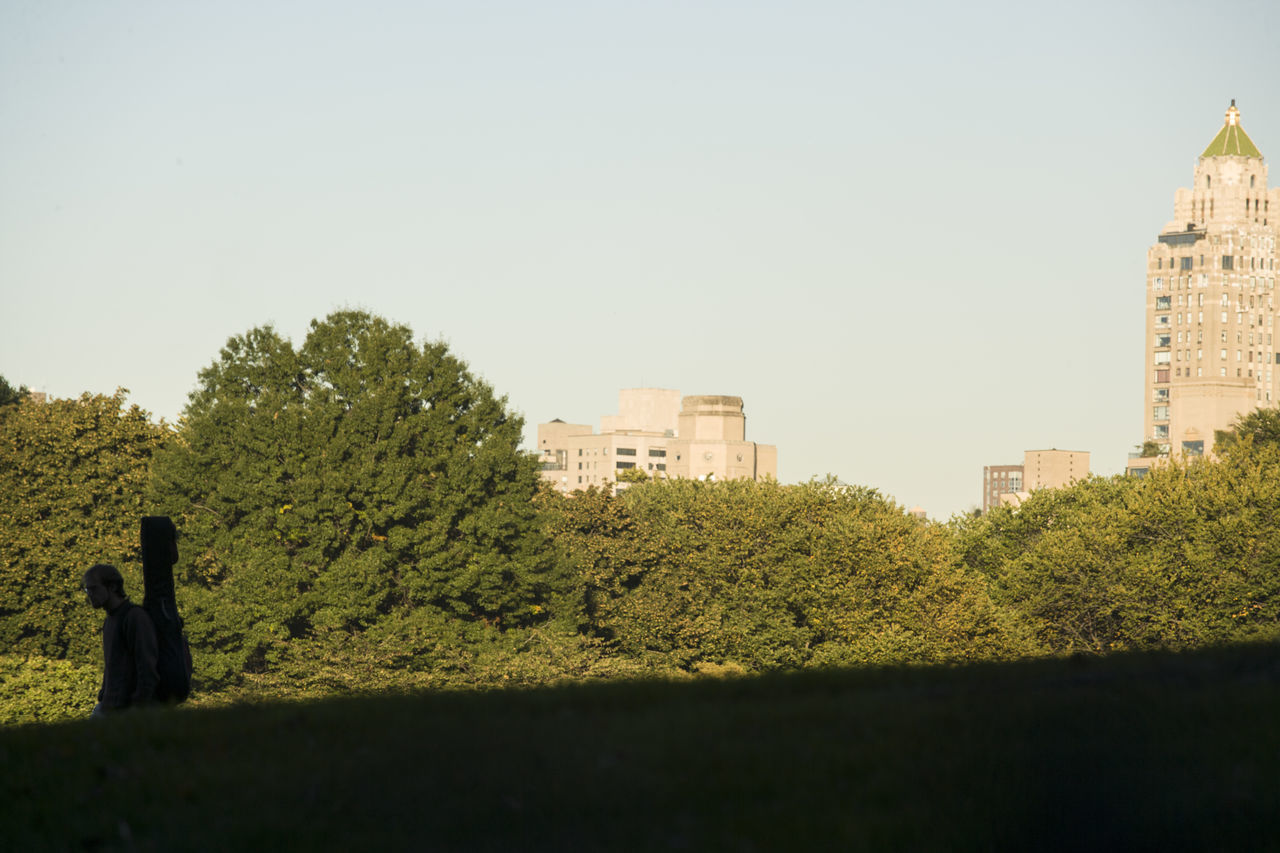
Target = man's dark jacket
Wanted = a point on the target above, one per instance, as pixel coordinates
(128, 658)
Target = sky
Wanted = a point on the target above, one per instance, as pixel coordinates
(912, 237)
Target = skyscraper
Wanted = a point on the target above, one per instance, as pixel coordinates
(1210, 352)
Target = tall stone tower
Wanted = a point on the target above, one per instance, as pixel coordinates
(1210, 350)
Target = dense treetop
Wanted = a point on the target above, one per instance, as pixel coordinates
(357, 478)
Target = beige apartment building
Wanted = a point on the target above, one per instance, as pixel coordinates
(1210, 351)
(659, 433)
(1040, 469)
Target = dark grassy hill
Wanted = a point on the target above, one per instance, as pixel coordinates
(1142, 752)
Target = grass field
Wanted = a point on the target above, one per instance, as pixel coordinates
(1137, 752)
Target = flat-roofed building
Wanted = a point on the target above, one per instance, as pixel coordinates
(999, 480)
(1005, 485)
(659, 434)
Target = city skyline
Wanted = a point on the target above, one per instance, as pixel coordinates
(914, 240)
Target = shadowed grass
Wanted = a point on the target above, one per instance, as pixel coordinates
(1138, 752)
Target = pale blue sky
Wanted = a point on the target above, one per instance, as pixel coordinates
(911, 237)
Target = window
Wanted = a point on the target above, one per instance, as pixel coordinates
(1163, 340)
(1193, 448)
(1162, 320)
(1163, 357)
(662, 466)
(1222, 354)
(1162, 394)
(1160, 413)
(1163, 303)
(626, 451)
(622, 466)
(1162, 375)
(657, 451)
(1228, 262)
(1162, 430)
(1199, 355)
(1185, 263)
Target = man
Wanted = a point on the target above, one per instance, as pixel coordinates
(128, 643)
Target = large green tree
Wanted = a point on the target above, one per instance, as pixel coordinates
(72, 474)
(356, 482)
(1187, 556)
(760, 575)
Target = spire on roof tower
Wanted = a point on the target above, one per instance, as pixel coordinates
(1232, 141)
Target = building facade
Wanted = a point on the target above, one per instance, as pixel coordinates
(999, 480)
(660, 434)
(1040, 469)
(1210, 351)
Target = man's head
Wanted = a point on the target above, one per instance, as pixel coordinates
(104, 585)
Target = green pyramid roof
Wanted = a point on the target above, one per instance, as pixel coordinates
(1232, 141)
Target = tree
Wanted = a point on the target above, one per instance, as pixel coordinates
(761, 575)
(1187, 556)
(632, 475)
(1261, 426)
(347, 485)
(10, 395)
(72, 474)
(1151, 448)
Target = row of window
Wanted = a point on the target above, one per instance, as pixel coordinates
(1162, 375)
(1165, 303)
(658, 452)
(1162, 320)
(1167, 357)
(1163, 338)
(1186, 263)
(1234, 281)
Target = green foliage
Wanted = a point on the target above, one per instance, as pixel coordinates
(349, 483)
(71, 481)
(1259, 427)
(1185, 557)
(760, 576)
(10, 395)
(41, 690)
